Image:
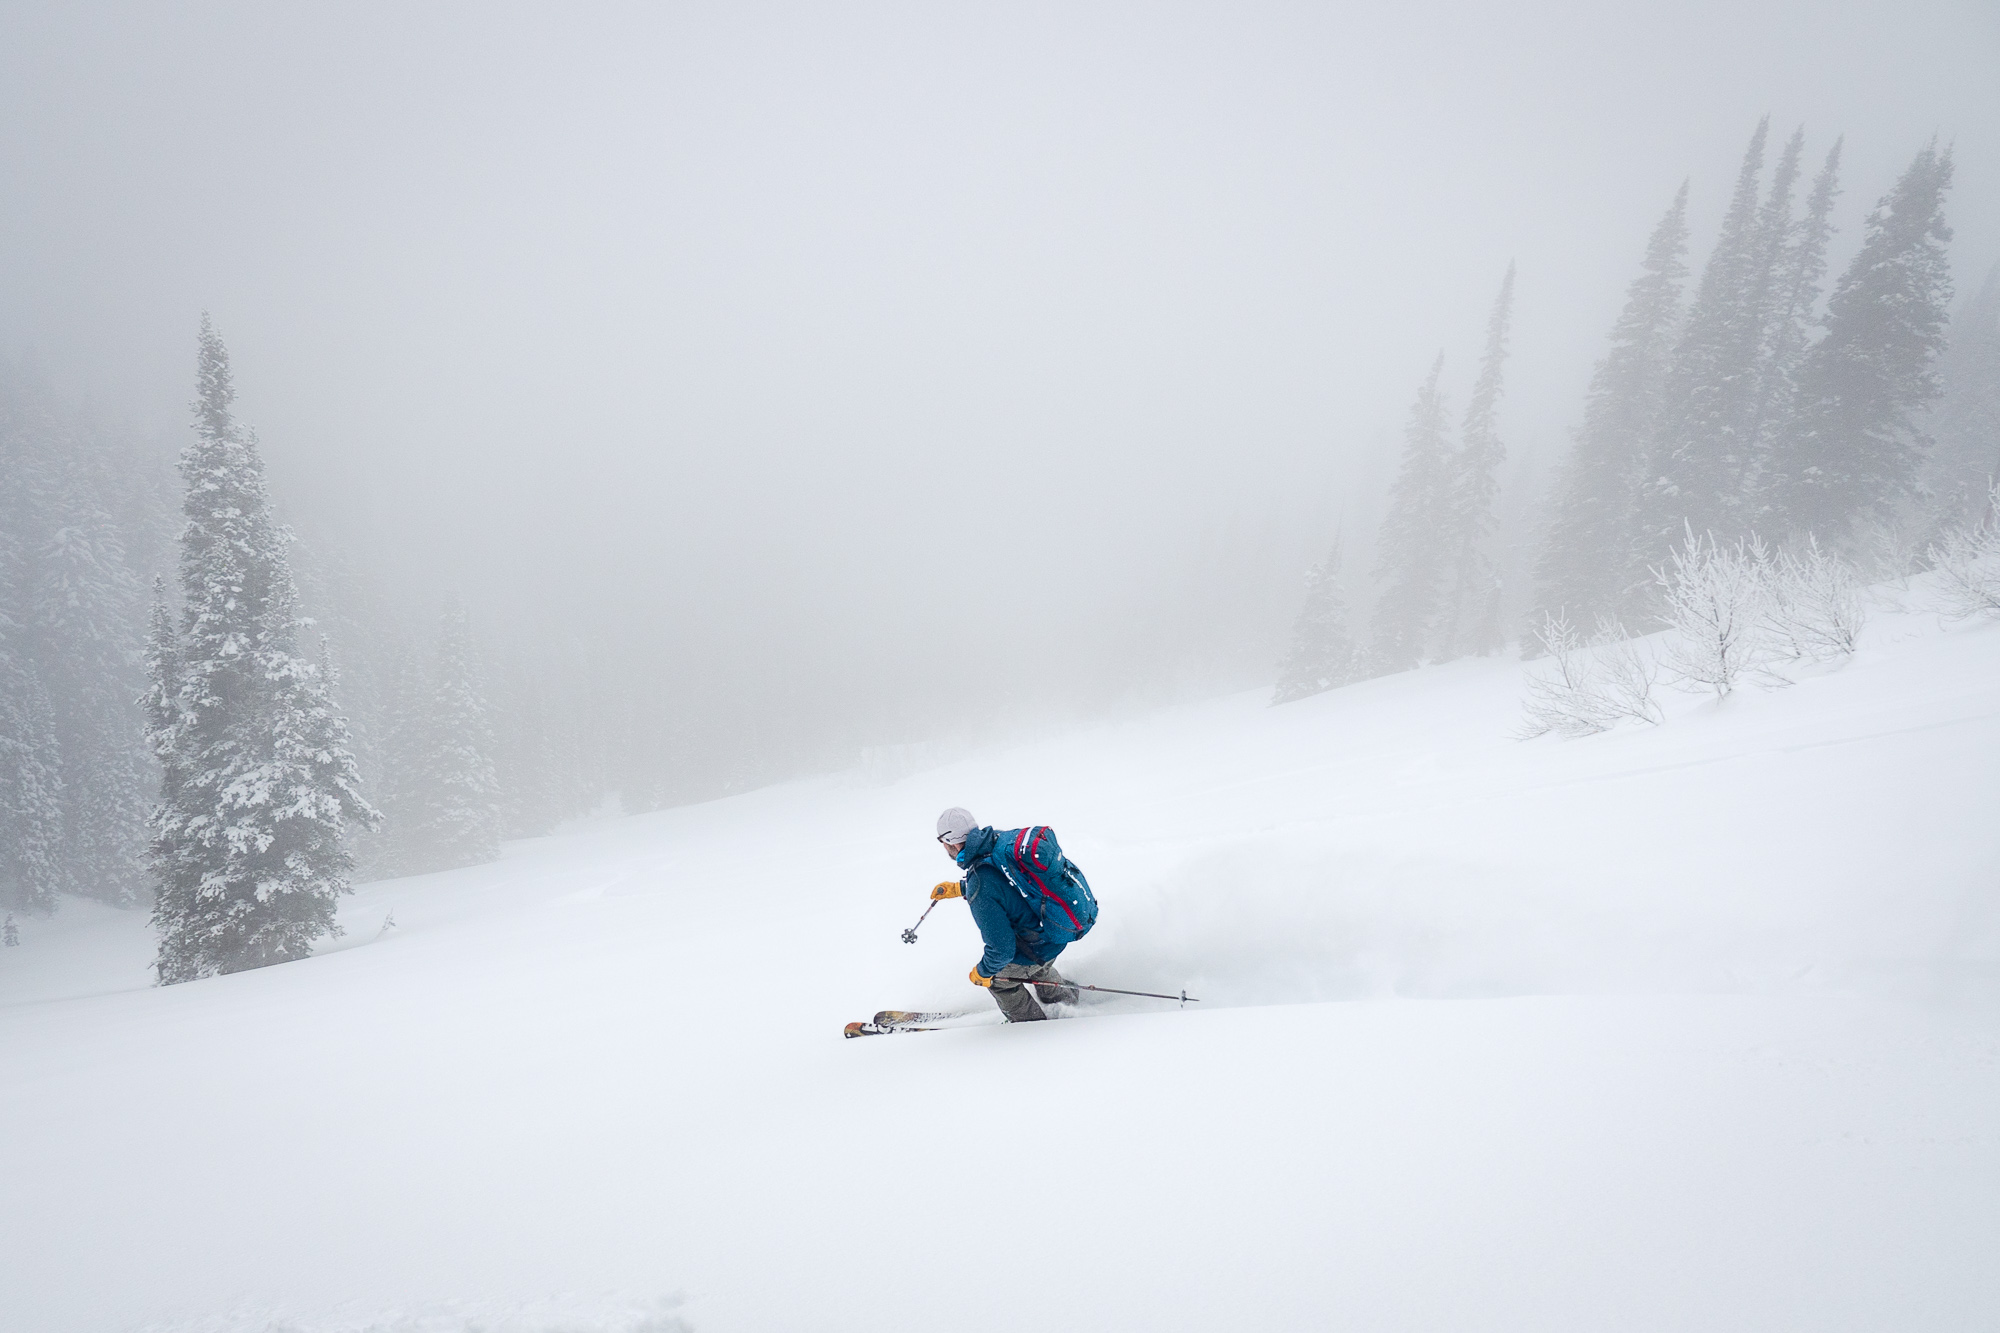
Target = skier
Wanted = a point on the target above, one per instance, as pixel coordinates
(1017, 948)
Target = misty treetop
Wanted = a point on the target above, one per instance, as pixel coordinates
(1410, 559)
(1437, 578)
(1855, 442)
(1469, 616)
(1702, 451)
(1588, 560)
(1796, 258)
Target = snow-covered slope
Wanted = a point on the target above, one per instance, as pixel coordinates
(1686, 1028)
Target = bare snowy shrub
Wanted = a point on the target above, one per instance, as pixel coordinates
(1713, 597)
(1561, 696)
(1967, 561)
(1812, 605)
(1627, 673)
(1579, 691)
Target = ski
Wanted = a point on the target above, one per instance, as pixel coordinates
(896, 1018)
(862, 1029)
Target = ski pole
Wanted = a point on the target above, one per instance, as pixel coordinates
(1183, 997)
(910, 935)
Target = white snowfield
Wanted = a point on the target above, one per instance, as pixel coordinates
(1687, 1028)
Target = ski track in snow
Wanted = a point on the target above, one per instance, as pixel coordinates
(1684, 1027)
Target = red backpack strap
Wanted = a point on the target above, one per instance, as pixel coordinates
(1024, 856)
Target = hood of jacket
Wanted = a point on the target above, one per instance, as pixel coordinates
(978, 846)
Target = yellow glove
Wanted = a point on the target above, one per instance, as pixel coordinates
(978, 980)
(949, 888)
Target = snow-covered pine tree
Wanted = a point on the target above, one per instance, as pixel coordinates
(1412, 549)
(249, 854)
(1702, 449)
(1855, 442)
(1323, 652)
(1775, 229)
(1965, 458)
(1792, 319)
(460, 821)
(1586, 563)
(1469, 623)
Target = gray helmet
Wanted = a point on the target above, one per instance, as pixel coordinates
(955, 823)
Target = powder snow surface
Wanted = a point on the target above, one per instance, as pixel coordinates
(1689, 1028)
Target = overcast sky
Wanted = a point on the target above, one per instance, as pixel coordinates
(853, 319)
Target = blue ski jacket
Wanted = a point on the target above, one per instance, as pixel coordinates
(1009, 923)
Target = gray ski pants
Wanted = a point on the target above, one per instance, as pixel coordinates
(1018, 1001)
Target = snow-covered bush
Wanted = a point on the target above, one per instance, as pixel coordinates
(1628, 673)
(1560, 694)
(1714, 599)
(1967, 561)
(1737, 611)
(1812, 604)
(1581, 690)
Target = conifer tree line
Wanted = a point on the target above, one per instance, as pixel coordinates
(189, 750)
(214, 752)
(1865, 417)
(81, 513)
(310, 730)
(439, 774)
